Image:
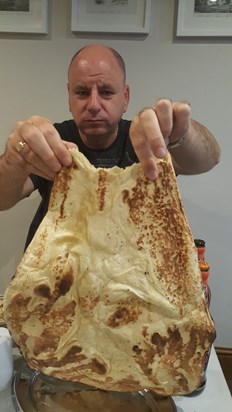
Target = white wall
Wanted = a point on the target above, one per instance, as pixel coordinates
(33, 80)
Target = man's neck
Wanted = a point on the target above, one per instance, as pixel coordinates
(98, 142)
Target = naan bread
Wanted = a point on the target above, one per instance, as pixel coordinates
(109, 291)
(1, 310)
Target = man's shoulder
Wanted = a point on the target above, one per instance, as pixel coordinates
(125, 125)
(67, 130)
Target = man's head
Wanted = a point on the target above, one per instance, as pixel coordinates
(98, 94)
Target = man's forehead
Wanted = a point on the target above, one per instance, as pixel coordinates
(101, 67)
(101, 62)
(100, 74)
(95, 80)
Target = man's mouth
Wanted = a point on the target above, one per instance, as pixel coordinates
(96, 122)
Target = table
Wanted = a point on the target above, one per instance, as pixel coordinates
(215, 397)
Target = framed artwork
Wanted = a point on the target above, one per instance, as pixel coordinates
(204, 18)
(111, 16)
(24, 16)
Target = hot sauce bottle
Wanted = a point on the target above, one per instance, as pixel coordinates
(205, 268)
(200, 245)
(205, 271)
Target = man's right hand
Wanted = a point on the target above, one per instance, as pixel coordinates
(35, 146)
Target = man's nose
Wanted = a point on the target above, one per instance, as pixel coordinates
(94, 102)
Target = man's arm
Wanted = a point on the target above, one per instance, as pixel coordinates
(198, 153)
(168, 126)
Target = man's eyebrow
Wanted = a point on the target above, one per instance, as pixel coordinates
(81, 87)
(101, 86)
(106, 85)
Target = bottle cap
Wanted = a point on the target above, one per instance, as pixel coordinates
(199, 242)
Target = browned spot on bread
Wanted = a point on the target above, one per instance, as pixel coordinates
(125, 313)
(98, 367)
(43, 291)
(88, 303)
(101, 190)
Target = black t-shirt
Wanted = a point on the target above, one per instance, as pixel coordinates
(120, 153)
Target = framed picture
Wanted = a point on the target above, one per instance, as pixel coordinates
(111, 16)
(204, 18)
(24, 16)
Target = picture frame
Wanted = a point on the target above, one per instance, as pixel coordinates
(204, 18)
(34, 20)
(110, 16)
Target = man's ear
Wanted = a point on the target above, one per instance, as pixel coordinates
(127, 97)
(68, 99)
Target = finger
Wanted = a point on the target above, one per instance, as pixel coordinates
(70, 145)
(37, 120)
(142, 148)
(34, 164)
(163, 110)
(56, 144)
(42, 169)
(47, 128)
(37, 143)
(26, 164)
(181, 120)
(42, 173)
(147, 160)
(153, 135)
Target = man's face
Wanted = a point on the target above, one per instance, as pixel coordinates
(98, 96)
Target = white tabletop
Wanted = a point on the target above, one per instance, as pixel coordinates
(215, 397)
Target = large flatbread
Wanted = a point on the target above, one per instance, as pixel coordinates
(109, 291)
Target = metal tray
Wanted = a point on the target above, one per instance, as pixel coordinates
(33, 391)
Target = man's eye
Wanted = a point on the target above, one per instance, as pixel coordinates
(106, 93)
(82, 93)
